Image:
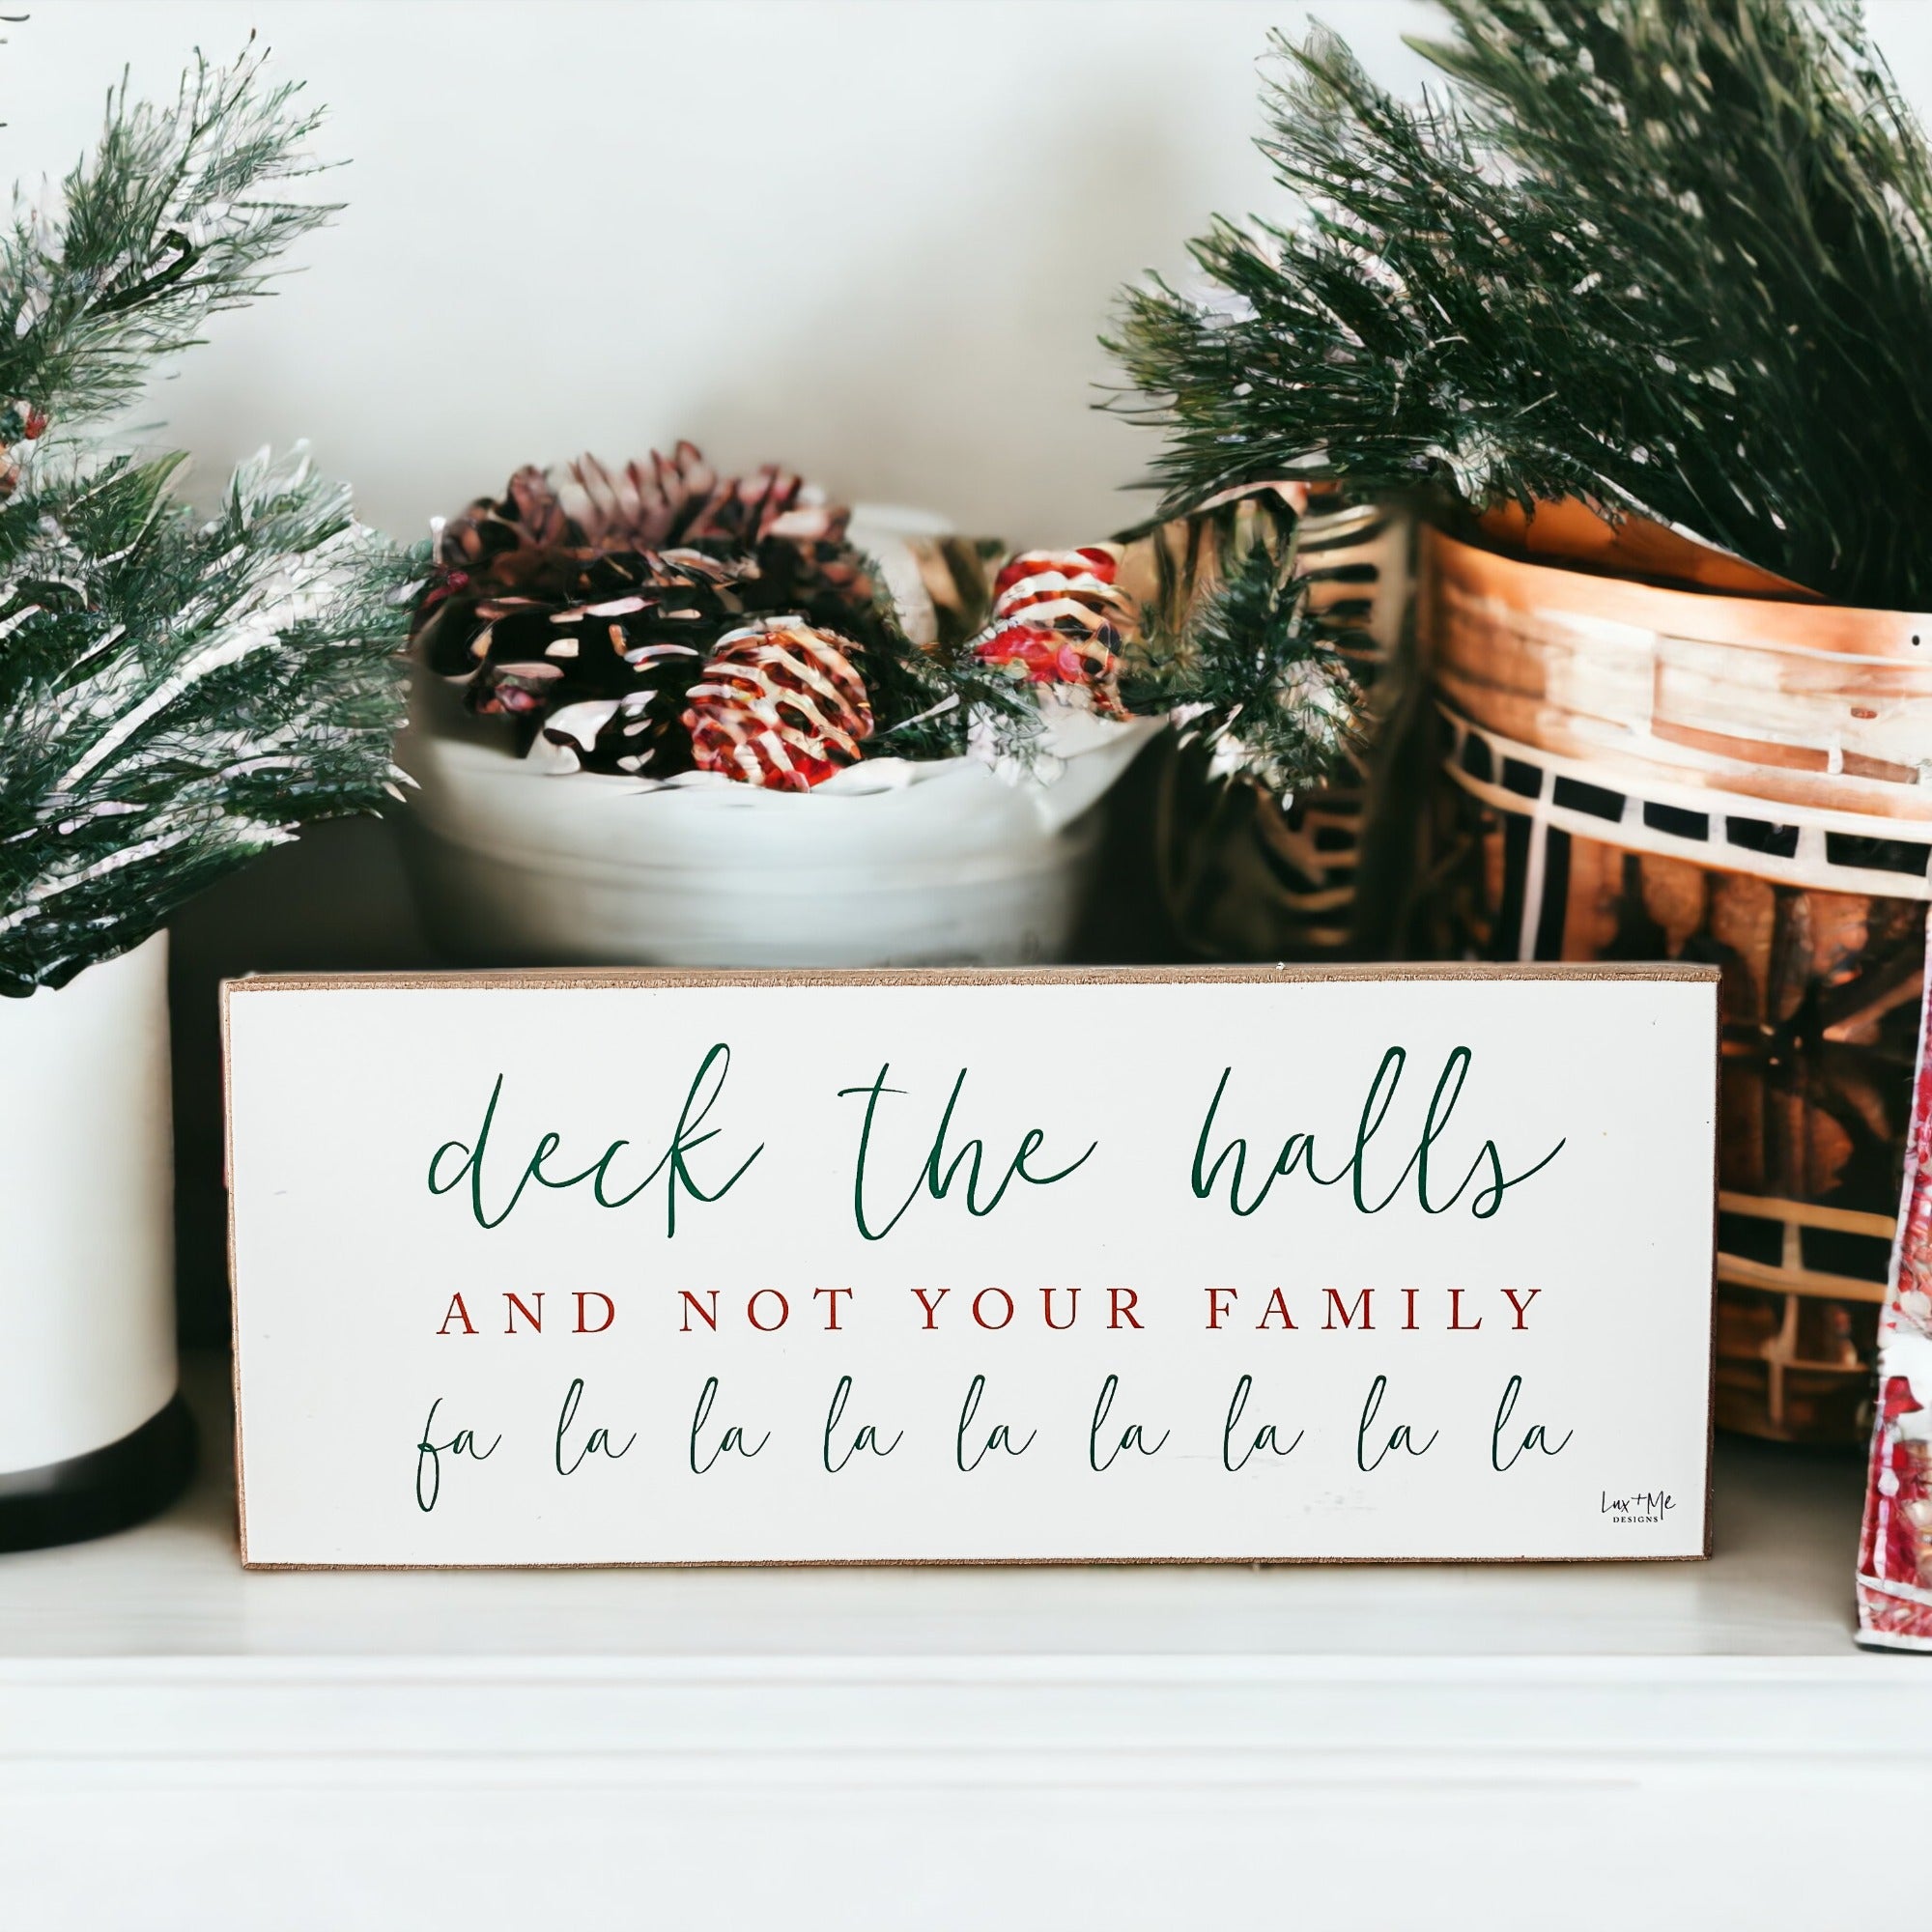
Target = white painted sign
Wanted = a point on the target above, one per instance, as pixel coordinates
(1111, 1265)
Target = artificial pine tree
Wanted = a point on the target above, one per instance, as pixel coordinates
(1672, 257)
(176, 693)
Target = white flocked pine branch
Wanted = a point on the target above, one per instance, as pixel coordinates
(176, 693)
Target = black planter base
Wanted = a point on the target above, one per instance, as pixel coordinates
(105, 1490)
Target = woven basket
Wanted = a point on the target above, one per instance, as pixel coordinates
(1244, 874)
(1654, 773)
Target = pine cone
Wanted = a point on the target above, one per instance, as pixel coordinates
(1059, 620)
(780, 704)
(639, 732)
(603, 601)
(681, 499)
(628, 628)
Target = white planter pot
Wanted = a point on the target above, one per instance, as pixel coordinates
(889, 863)
(90, 1433)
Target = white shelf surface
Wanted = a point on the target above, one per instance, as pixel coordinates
(933, 1747)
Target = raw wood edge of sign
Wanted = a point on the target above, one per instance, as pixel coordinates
(1717, 1208)
(995, 1563)
(234, 1275)
(618, 977)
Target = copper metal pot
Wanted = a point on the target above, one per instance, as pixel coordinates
(1669, 773)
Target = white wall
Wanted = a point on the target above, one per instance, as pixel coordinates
(875, 239)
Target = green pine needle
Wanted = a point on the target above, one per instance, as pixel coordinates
(177, 693)
(178, 697)
(175, 216)
(1674, 256)
(1258, 675)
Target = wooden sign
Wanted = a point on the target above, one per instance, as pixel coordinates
(1235, 1264)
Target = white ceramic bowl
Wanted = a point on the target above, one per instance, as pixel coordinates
(889, 863)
